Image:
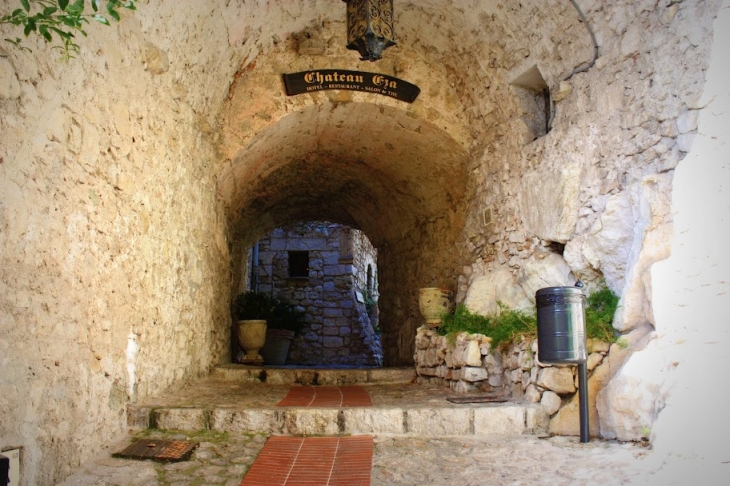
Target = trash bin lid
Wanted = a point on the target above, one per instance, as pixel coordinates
(559, 291)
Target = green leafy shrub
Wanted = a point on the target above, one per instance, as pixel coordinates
(510, 323)
(600, 309)
(278, 313)
(62, 18)
(502, 328)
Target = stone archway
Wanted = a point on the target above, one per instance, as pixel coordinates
(400, 180)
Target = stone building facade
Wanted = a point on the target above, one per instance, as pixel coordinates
(134, 178)
(326, 270)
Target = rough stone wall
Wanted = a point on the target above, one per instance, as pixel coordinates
(113, 252)
(591, 199)
(468, 363)
(691, 303)
(338, 330)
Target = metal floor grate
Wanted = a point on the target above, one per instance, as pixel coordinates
(158, 450)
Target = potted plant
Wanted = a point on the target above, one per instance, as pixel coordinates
(251, 311)
(285, 322)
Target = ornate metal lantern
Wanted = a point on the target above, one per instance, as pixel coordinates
(370, 27)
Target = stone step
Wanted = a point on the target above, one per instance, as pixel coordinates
(399, 409)
(314, 376)
(507, 419)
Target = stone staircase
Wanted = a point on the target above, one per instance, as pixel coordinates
(243, 399)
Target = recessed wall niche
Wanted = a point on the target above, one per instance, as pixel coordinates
(533, 98)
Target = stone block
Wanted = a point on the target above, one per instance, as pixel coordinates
(526, 360)
(532, 394)
(139, 418)
(332, 342)
(426, 371)
(372, 421)
(550, 402)
(438, 422)
(311, 421)
(180, 419)
(281, 377)
(331, 331)
(431, 358)
(245, 421)
(472, 354)
(392, 375)
(341, 377)
(496, 380)
(549, 201)
(508, 420)
(463, 387)
(557, 379)
(472, 374)
(594, 359)
(333, 312)
(537, 420)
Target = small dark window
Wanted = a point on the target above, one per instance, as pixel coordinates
(370, 281)
(298, 264)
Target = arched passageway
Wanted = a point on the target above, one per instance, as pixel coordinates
(133, 173)
(402, 181)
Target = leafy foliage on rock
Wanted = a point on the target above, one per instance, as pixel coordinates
(508, 324)
(63, 18)
(503, 328)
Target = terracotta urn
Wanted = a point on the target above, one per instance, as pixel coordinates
(433, 302)
(251, 337)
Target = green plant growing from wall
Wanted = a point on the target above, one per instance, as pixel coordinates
(600, 308)
(63, 18)
(505, 326)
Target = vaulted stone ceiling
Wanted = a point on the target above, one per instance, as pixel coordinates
(403, 173)
(348, 156)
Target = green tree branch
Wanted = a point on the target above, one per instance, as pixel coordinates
(63, 18)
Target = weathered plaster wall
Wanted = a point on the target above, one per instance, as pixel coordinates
(113, 252)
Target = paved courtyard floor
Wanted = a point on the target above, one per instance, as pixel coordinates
(224, 459)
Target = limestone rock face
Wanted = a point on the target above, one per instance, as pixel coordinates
(544, 270)
(499, 286)
(607, 245)
(630, 402)
(651, 245)
(549, 202)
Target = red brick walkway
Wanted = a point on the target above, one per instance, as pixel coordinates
(326, 396)
(313, 461)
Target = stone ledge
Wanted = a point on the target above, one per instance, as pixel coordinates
(458, 420)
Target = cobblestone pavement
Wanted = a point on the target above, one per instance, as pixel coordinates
(223, 459)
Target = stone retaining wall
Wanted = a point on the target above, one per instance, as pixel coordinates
(468, 363)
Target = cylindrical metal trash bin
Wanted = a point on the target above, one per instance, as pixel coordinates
(561, 325)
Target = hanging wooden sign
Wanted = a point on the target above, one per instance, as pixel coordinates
(321, 79)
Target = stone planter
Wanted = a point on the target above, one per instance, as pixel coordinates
(251, 337)
(433, 302)
(276, 348)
